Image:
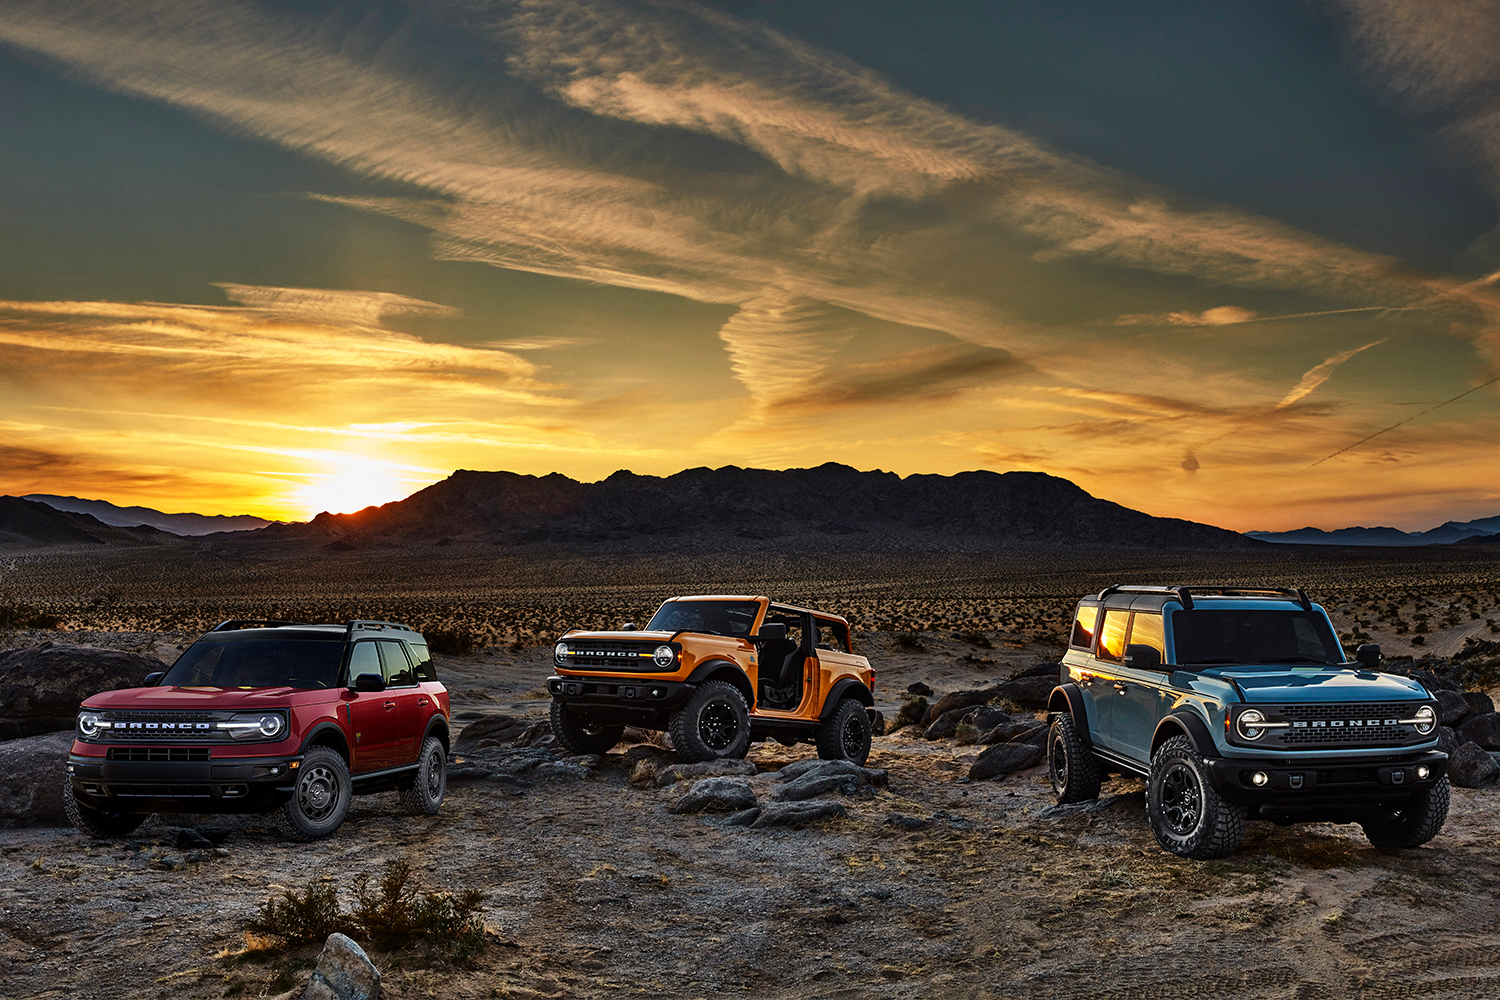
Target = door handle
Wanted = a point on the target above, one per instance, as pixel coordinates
(421, 702)
(1121, 687)
(390, 705)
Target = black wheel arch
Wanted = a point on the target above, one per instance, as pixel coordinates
(724, 670)
(1067, 699)
(326, 734)
(1184, 723)
(437, 726)
(847, 687)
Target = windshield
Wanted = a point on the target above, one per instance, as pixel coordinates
(714, 617)
(1203, 636)
(258, 663)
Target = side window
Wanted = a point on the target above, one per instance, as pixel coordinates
(1083, 627)
(1112, 634)
(364, 660)
(833, 635)
(423, 661)
(1147, 630)
(398, 671)
(793, 621)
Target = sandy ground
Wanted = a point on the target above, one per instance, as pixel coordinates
(594, 889)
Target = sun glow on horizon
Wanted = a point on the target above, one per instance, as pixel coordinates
(348, 483)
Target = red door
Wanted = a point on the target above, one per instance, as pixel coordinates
(372, 715)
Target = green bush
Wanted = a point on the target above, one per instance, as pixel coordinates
(913, 711)
(296, 919)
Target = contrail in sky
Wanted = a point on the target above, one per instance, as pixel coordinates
(1406, 421)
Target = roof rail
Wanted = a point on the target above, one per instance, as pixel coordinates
(361, 625)
(1185, 594)
(234, 624)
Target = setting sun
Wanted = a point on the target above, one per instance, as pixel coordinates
(348, 483)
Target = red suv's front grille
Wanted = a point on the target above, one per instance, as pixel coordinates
(158, 753)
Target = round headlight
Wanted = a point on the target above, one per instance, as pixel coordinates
(1426, 719)
(88, 724)
(271, 725)
(560, 652)
(664, 656)
(1250, 724)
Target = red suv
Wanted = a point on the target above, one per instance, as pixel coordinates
(266, 716)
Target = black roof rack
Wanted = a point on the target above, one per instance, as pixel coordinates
(234, 624)
(1184, 595)
(361, 625)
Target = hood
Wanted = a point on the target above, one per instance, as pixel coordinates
(620, 636)
(201, 699)
(1262, 685)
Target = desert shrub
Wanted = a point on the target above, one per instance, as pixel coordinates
(451, 642)
(393, 915)
(300, 919)
(966, 734)
(1005, 705)
(913, 711)
(909, 641)
(977, 639)
(644, 771)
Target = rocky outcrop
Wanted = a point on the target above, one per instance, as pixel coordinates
(42, 686)
(1005, 759)
(344, 972)
(1452, 707)
(706, 769)
(722, 794)
(31, 780)
(1481, 729)
(798, 814)
(1471, 766)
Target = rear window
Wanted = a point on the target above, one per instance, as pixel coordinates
(1112, 634)
(422, 661)
(1083, 627)
(258, 663)
(832, 635)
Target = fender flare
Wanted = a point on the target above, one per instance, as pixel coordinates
(437, 726)
(724, 670)
(1186, 722)
(327, 726)
(848, 687)
(1069, 698)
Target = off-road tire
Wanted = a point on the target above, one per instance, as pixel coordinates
(1414, 823)
(1187, 816)
(97, 822)
(577, 738)
(1072, 767)
(846, 734)
(714, 722)
(425, 795)
(320, 800)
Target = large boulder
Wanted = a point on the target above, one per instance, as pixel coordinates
(723, 767)
(492, 731)
(954, 700)
(1030, 692)
(722, 794)
(31, 780)
(1005, 759)
(1471, 766)
(1479, 702)
(1433, 682)
(945, 725)
(1481, 729)
(1452, 707)
(797, 814)
(344, 972)
(42, 686)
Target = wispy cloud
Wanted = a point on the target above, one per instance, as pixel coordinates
(1319, 374)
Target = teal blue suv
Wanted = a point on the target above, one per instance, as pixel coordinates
(1239, 704)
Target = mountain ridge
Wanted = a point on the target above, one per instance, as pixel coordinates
(1447, 533)
(187, 524)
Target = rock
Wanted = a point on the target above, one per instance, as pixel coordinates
(344, 972)
(986, 718)
(1052, 670)
(1452, 706)
(945, 725)
(538, 734)
(958, 699)
(633, 735)
(1004, 759)
(32, 771)
(797, 814)
(1470, 766)
(555, 770)
(1433, 682)
(706, 769)
(1008, 731)
(496, 730)
(816, 783)
(1479, 702)
(220, 852)
(1030, 692)
(197, 857)
(649, 751)
(905, 822)
(1481, 729)
(871, 775)
(170, 862)
(877, 722)
(919, 689)
(1447, 739)
(192, 840)
(719, 794)
(42, 686)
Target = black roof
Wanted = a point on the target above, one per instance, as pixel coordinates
(1126, 595)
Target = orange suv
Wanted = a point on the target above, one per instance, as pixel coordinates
(718, 673)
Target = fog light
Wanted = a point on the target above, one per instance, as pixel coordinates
(1422, 772)
(1259, 778)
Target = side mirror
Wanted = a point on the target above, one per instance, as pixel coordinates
(772, 632)
(152, 679)
(369, 682)
(630, 627)
(1142, 657)
(1368, 655)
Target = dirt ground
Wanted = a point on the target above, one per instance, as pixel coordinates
(932, 887)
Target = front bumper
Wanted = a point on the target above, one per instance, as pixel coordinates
(1322, 782)
(612, 699)
(234, 784)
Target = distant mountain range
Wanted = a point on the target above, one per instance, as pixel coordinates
(826, 508)
(26, 522)
(129, 517)
(1443, 534)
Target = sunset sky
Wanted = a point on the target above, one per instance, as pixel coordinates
(280, 257)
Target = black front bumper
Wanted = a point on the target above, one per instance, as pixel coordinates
(640, 701)
(1325, 784)
(223, 785)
